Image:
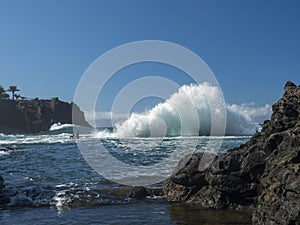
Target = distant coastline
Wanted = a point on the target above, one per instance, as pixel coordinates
(36, 115)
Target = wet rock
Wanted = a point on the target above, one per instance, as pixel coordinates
(138, 193)
(263, 173)
(210, 197)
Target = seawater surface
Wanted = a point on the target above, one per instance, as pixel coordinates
(49, 182)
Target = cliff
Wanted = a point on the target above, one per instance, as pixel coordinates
(263, 174)
(31, 116)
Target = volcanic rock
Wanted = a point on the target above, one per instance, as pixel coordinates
(263, 173)
(31, 116)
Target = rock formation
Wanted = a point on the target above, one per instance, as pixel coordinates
(31, 116)
(264, 173)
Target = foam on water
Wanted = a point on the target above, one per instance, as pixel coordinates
(104, 134)
(58, 133)
(35, 139)
(58, 126)
(4, 153)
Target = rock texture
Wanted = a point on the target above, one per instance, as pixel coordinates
(264, 173)
(31, 116)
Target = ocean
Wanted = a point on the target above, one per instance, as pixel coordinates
(51, 181)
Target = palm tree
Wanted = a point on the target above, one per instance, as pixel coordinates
(17, 96)
(3, 94)
(13, 89)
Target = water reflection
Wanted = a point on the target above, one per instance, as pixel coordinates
(191, 214)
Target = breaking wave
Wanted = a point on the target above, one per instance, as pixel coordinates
(189, 112)
(58, 126)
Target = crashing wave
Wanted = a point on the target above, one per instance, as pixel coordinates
(59, 126)
(189, 112)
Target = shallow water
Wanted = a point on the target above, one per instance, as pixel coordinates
(142, 212)
(49, 182)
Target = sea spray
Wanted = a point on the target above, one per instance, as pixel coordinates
(188, 112)
(177, 116)
(59, 126)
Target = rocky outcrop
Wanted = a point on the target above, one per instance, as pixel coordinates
(105, 192)
(31, 116)
(264, 173)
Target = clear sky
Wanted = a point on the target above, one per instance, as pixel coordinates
(253, 47)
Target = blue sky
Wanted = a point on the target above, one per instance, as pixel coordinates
(253, 47)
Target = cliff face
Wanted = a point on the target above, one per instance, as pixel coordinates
(264, 173)
(31, 116)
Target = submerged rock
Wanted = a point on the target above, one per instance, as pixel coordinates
(264, 173)
(138, 193)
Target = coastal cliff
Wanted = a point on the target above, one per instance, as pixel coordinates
(31, 116)
(263, 174)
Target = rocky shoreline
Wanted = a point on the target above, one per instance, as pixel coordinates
(32, 116)
(262, 174)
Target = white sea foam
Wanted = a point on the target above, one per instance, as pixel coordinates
(34, 139)
(105, 134)
(4, 153)
(58, 126)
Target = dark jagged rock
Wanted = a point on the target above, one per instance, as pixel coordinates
(31, 116)
(264, 173)
(138, 193)
(279, 200)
